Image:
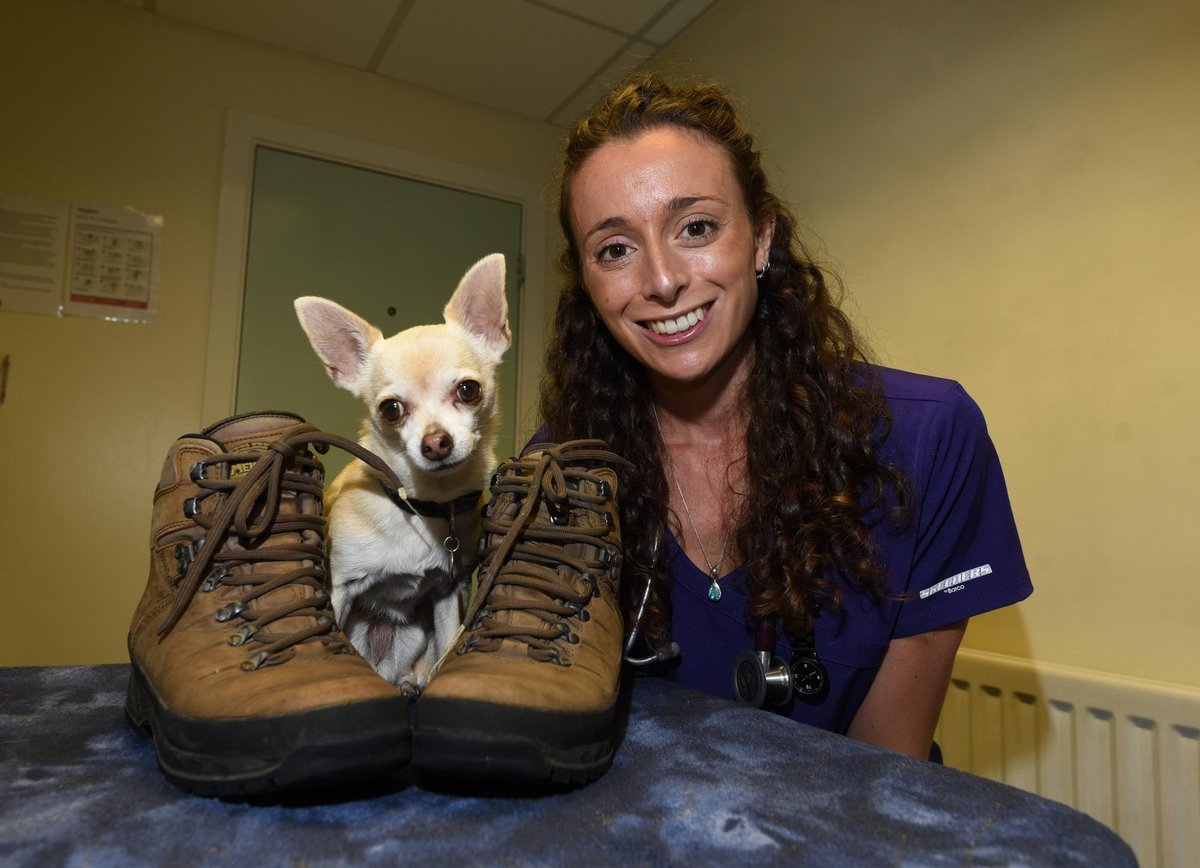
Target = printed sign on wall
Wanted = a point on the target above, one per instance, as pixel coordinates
(33, 253)
(78, 260)
(113, 270)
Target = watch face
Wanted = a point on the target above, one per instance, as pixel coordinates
(809, 677)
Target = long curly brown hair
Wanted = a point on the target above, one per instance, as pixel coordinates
(817, 416)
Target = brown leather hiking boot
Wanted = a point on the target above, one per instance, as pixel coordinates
(529, 690)
(237, 667)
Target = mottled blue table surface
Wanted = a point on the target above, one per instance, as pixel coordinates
(696, 781)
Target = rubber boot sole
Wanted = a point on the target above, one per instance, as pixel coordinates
(466, 740)
(234, 758)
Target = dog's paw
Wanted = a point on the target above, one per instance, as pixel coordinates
(409, 689)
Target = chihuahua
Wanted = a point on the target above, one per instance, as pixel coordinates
(400, 561)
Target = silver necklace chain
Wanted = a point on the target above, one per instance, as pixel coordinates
(714, 590)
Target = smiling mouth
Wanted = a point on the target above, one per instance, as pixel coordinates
(683, 322)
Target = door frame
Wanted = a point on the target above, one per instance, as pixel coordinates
(245, 132)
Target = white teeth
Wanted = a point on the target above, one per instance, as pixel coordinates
(674, 326)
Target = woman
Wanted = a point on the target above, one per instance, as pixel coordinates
(781, 484)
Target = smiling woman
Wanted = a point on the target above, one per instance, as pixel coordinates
(671, 269)
(793, 511)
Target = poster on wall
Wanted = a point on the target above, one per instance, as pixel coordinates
(33, 246)
(62, 258)
(112, 270)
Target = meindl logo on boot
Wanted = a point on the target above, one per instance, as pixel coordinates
(236, 470)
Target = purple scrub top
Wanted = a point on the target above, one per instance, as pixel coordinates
(959, 556)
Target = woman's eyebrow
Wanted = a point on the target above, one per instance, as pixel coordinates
(680, 203)
(606, 224)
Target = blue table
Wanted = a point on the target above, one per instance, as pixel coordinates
(696, 781)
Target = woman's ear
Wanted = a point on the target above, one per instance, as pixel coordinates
(762, 242)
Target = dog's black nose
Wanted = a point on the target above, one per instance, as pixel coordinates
(437, 445)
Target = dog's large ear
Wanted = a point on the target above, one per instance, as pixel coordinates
(480, 306)
(340, 338)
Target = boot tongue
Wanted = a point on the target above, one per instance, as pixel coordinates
(529, 605)
(254, 433)
(251, 425)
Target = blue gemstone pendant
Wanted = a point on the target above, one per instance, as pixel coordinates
(714, 591)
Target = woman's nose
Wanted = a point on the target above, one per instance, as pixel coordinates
(666, 275)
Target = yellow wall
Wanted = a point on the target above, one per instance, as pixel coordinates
(1011, 192)
(102, 103)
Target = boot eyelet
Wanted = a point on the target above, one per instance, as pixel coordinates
(191, 507)
(605, 490)
(226, 613)
(196, 473)
(255, 661)
(214, 579)
(559, 515)
(243, 635)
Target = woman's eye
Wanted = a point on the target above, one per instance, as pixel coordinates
(612, 252)
(469, 392)
(391, 410)
(698, 228)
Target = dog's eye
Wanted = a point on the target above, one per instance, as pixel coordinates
(469, 392)
(391, 410)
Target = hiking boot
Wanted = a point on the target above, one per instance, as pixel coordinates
(237, 666)
(528, 692)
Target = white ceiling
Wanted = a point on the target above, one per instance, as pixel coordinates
(542, 59)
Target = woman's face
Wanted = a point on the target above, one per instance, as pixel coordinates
(668, 253)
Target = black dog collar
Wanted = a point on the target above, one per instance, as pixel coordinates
(432, 508)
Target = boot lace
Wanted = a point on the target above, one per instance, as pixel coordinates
(526, 567)
(235, 535)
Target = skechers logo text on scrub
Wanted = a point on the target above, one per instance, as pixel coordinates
(957, 579)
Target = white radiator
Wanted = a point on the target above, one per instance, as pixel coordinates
(1123, 750)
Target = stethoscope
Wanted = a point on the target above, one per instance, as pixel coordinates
(764, 680)
(760, 678)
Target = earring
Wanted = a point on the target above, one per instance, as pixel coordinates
(759, 275)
